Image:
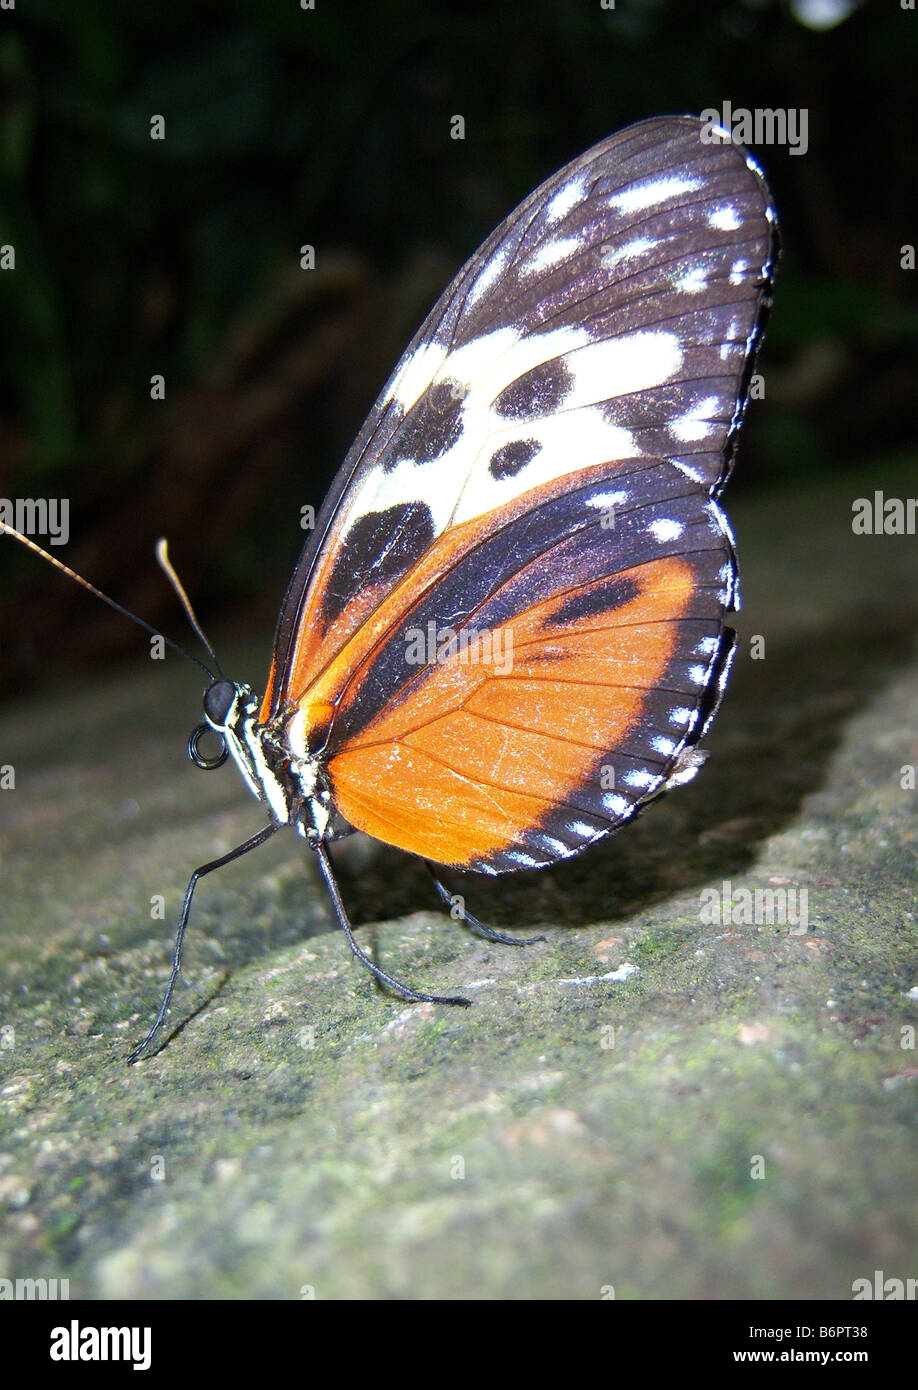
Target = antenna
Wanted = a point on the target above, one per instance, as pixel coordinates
(125, 612)
(165, 564)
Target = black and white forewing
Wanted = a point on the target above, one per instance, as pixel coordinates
(613, 315)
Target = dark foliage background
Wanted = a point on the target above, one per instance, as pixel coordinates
(287, 126)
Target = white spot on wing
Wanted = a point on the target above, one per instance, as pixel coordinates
(551, 253)
(566, 198)
(640, 777)
(725, 219)
(690, 470)
(665, 530)
(602, 500)
(610, 367)
(645, 195)
(695, 424)
(629, 251)
(416, 374)
(581, 828)
(693, 281)
(486, 277)
(554, 845)
(519, 857)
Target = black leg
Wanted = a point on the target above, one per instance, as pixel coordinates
(414, 995)
(236, 853)
(479, 928)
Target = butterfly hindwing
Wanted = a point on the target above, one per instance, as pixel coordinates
(542, 467)
(585, 622)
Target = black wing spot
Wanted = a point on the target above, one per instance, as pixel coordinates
(602, 598)
(510, 458)
(538, 392)
(378, 549)
(431, 427)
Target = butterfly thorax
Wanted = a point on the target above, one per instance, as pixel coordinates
(292, 784)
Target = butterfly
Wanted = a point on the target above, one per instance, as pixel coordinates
(506, 633)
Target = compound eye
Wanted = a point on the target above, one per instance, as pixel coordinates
(218, 701)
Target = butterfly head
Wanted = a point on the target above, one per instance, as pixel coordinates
(224, 702)
(291, 786)
(227, 709)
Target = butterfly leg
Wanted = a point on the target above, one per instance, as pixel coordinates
(473, 923)
(413, 995)
(236, 853)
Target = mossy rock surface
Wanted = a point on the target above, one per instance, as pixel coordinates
(733, 1118)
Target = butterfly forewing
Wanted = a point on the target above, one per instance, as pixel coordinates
(541, 467)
